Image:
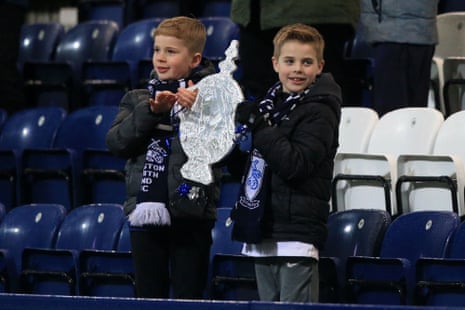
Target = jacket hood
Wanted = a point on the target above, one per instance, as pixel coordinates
(328, 91)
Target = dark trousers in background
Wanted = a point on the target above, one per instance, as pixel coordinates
(402, 76)
(172, 258)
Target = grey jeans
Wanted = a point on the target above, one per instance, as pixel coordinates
(288, 279)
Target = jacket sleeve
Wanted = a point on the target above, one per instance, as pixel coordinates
(133, 126)
(297, 155)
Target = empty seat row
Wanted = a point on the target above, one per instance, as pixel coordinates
(50, 156)
(409, 159)
(95, 62)
(45, 250)
(124, 12)
(369, 258)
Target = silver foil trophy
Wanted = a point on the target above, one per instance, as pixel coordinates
(207, 129)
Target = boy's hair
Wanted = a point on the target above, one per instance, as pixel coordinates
(190, 30)
(301, 33)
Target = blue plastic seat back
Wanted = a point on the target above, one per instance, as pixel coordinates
(87, 41)
(221, 233)
(160, 8)
(31, 128)
(135, 43)
(457, 246)
(124, 241)
(93, 226)
(356, 232)
(419, 234)
(217, 8)
(220, 32)
(33, 226)
(38, 41)
(86, 128)
(113, 10)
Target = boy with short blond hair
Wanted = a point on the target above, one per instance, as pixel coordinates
(283, 207)
(170, 250)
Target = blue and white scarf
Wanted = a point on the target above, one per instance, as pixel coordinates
(153, 193)
(249, 210)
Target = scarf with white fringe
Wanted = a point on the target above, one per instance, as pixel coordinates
(153, 193)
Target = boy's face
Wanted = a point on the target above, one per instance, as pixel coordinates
(297, 66)
(171, 59)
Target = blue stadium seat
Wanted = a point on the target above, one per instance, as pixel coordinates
(215, 8)
(56, 270)
(229, 193)
(159, 8)
(114, 10)
(38, 42)
(58, 82)
(25, 226)
(55, 174)
(350, 233)
(390, 277)
(105, 82)
(220, 32)
(232, 274)
(440, 281)
(103, 177)
(108, 273)
(25, 129)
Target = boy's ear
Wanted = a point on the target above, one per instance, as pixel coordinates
(196, 59)
(321, 66)
(274, 61)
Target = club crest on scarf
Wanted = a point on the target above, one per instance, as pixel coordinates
(253, 182)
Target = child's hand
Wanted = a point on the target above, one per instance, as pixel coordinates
(163, 101)
(186, 97)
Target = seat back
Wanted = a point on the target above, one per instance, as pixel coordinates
(450, 31)
(31, 128)
(87, 41)
(135, 43)
(220, 32)
(160, 8)
(113, 10)
(221, 234)
(356, 232)
(93, 226)
(451, 135)
(34, 225)
(406, 131)
(419, 234)
(86, 128)
(456, 247)
(217, 8)
(38, 42)
(355, 128)
(25, 129)
(350, 233)
(124, 240)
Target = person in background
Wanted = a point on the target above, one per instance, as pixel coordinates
(260, 20)
(404, 35)
(283, 205)
(170, 249)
